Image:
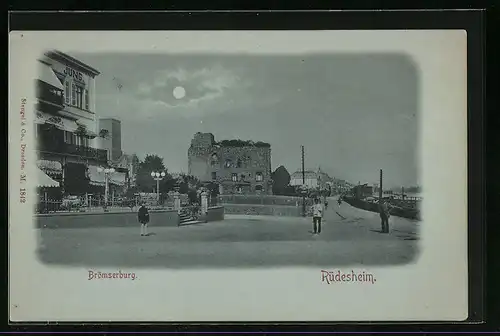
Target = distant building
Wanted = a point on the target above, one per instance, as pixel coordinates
(313, 179)
(362, 191)
(110, 131)
(309, 179)
(324, 180)
(238, 167)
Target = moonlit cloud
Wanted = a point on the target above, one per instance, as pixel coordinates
(201, 85)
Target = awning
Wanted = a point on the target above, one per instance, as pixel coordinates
(121, 162)
(118, 178)
(50, 166)
(96, 178)
(43, 180)
(61, 123)
(48, 76)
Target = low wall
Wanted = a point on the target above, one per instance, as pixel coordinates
(263, 210)
(215, 214)
(262, 200)
(158, 218)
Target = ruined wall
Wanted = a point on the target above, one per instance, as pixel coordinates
(244, 170)
(212, 162)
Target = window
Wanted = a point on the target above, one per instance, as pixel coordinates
(79, 96)
(87, 100)
(70, 138)
(214, 160)
(73, 94)
(258, 177)
(258, 188)
(67, 93)
(214, 175)
(242, 177)
(84, 141)
(238, 163)
(234, 177)
(228, 164)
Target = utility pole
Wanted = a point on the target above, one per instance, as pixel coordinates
(303, 184)
(380, 192)
(380, 188)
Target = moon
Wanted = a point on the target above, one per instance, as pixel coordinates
(179, 92)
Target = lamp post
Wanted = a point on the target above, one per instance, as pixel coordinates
(157, 176)
(107, 172)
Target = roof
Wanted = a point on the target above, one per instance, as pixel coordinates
(67, 59)
(112, 119)
(308, 174)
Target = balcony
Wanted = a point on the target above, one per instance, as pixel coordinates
(50, 99)
(60, 147)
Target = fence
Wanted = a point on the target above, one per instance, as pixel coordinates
(50, 206)
(97, 204)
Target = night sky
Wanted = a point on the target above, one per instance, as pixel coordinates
(354, 113)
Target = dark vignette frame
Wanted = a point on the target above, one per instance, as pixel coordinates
(471, 21)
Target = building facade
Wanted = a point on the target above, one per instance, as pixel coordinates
(110, 134)
(310, 179)
(238, 167)
(65, 120)
(313, 179)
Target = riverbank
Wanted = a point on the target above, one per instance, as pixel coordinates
(409, 213)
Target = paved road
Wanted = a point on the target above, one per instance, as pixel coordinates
(239, 241)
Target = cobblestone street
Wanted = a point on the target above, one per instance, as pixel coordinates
(239, 241)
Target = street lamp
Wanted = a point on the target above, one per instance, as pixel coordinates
(107, 172)
(158, 177)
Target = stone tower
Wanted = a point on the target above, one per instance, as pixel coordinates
(202, 146)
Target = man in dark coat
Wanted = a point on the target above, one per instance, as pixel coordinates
(143, 216)
(384, 216)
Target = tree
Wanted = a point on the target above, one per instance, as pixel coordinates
(81, 131)
(243, 143)
(189, 185)
(281, 179)
(144, 181)
(104, 133)
(135, 162)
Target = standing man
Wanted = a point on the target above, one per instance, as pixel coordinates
(143, 216)
(384, 216)
(317, 216)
